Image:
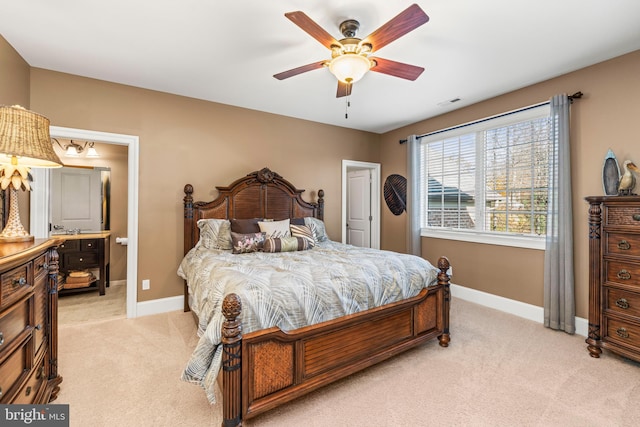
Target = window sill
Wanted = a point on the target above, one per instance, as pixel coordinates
(526, 242)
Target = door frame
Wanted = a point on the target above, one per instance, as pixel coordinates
(353, 165)
(40, 200)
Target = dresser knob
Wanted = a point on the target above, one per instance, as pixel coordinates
(20, 282)
(624, 245)
(622, 333)
(1, 338)
(28, 391)
(636, 217)
(39, 326)
(624, 275)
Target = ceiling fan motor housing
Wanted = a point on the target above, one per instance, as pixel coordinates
(349, 28)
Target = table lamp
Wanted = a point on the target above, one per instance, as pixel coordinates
(24, 143)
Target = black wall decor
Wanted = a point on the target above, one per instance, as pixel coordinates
(395, 193)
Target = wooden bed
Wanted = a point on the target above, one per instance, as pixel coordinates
(266, 368)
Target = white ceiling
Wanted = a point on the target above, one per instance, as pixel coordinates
(227, 51)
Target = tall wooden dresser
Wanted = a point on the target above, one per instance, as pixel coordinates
(29, 322)
(614, 275)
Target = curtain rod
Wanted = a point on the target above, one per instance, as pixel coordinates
(576, 95)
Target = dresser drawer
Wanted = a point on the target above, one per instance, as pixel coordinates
(40, 305)
(624, 215)
(625, 273)
(69, 245)
(14, 322)
(89, 245)
(14, 369)
(15, 284)
(27, 395)
(622, 332)
(620, 301)
(40, 266)
(623, 244)
(80, 261)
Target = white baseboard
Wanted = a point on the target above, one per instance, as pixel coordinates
(517, 308)
(157, 306)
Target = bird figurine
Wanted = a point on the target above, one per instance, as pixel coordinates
(628, 180)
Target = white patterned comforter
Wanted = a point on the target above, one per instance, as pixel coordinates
(291, 290)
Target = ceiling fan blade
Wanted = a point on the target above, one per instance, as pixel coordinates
(294, 72)
(408, 20)
(396, 69)
(311, 28)
(344, 89)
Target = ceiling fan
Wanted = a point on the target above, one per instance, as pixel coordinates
(350, 58)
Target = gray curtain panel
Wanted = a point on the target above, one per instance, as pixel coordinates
(413, 196)
(559, 298)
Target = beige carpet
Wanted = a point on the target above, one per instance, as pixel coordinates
(91, 306)
(499, 370)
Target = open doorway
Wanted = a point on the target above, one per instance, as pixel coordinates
(40, 200)
(361, 203)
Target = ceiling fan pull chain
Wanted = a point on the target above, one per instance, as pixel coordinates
(347, 101)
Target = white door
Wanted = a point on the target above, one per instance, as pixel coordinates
(359, 208)
(76, 199)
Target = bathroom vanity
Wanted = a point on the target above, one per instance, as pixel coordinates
(85, 251)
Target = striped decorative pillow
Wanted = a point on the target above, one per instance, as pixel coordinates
(285, 244)
(303, 231)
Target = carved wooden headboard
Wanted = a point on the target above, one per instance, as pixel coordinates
(260, 194)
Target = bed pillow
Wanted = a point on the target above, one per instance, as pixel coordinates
(275, 228)
(247, 243)
(318, 228)
(297, 221)
(285, 244)
(304, 232)
(245, 226)
(215, 233)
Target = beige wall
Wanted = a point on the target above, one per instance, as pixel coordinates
(115, 158)
(184, 140)
(14, 83)
(604, 118)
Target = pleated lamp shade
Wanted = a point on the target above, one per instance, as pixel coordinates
(25, 135)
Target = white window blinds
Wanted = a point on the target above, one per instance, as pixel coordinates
(488, 176)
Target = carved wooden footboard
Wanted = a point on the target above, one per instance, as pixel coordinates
(269, 367)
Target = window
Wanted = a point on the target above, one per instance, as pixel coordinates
(488, 179)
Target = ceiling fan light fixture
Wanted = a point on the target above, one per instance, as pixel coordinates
(349, 68)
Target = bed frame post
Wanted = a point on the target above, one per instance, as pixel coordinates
(320, 202)
(231, 362)
(443, 279)
(188, 242)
